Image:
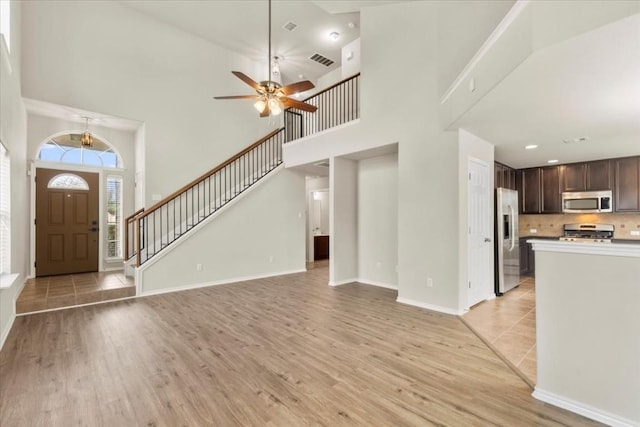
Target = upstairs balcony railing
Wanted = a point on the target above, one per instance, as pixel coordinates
(151, 230)
(337, 104)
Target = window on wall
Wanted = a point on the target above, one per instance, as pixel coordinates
(114, 216)
(5, 22)
(67, 149)
(5, 211)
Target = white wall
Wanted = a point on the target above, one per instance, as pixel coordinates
(260, 234)
(378, 220)
(588, 330)
(471, 147)
(343, 245)
(103, 56)
(351, 59)
(13, 131)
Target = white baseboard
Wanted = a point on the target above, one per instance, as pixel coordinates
(378, 284)
(216, 283)
(7, 328)
(342, 282)
(431, 307)
(582, 409)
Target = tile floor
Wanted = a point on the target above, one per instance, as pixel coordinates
(509, 324)
(44, 293)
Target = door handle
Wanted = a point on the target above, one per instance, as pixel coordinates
(94, 229)
(487, 240)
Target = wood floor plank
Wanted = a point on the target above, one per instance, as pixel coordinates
(282, 351)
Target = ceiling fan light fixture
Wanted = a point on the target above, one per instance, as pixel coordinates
(274, 106)
(260, 105)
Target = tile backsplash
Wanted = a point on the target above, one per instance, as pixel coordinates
(551, 225)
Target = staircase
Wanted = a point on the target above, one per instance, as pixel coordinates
(150, 231)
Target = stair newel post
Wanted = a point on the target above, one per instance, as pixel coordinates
(137, 242)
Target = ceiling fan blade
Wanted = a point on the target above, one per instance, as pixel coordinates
(246, 79)
(292, 103)
(297, 87)
(236, 97)
(266, 111)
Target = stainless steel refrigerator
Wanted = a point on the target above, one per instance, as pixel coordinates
(507, 242)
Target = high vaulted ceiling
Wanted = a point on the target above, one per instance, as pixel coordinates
(242, 26)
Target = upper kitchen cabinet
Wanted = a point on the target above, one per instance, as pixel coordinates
(529, 190)
(551, 200)
(539, 190)
(505, 177)
(627, 194)
(589, 176)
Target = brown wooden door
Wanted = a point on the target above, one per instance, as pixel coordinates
(530, 191)
(573, 177)
(66, 222)
(599, 175)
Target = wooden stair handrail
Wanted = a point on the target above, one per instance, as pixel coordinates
(201, 178)
(133, 215)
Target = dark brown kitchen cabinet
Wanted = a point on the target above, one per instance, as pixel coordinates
(588, 176)
(505, 177)
(539, 190)
(599, 175)
(627, 194)
(573, 177)
(550, 190)
(529, 190)
(527, 258)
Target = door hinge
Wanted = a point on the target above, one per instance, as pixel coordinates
(469, 176)
(35, 221)
(469, 285)
(34, 264)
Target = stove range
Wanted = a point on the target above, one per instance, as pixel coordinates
(588, 233)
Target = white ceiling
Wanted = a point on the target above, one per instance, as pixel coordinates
(585, 86)
(242, 26)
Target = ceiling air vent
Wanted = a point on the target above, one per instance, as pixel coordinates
(290, 26)
(321, 60)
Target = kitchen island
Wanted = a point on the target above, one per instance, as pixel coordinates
(588, 328)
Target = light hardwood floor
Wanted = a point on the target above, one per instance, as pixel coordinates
(283, 351)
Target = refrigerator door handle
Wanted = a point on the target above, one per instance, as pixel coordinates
(512, 216)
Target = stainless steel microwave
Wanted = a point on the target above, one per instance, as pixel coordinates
(587, 202)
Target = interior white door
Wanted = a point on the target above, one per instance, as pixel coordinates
(480, 265)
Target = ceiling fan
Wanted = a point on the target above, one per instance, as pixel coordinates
(272, 97)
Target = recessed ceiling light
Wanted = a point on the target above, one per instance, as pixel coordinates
(552, 161)
(334, 35)
(531, 146)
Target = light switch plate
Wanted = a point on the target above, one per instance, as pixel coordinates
(635, 232)
(533, 230)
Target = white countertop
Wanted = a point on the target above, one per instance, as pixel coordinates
(610, 249)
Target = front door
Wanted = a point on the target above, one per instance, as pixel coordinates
(480, 246)
(66, 222)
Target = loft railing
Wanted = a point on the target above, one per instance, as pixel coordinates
(163, 223)
(337, 104)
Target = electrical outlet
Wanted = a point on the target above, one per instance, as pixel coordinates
(199, 267)
(635, 232)
(533, 230)
(429, 282)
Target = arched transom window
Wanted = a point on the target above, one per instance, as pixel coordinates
(68, 149)
(68, 181)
